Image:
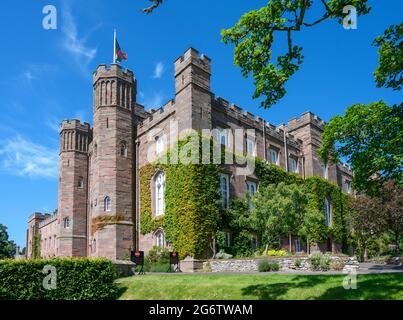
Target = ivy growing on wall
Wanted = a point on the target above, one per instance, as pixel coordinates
(192, 198)
(147, 222)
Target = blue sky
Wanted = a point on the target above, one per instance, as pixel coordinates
(46, 75)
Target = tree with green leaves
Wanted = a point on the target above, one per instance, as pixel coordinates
(370, 136)
(278, 210)
(389, 72)
(7, 247)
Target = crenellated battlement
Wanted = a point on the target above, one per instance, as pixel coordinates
(75, 136)
(192, 56)
(75, 124)
(48, 218)
(114, 70)
(306, 118)
(157, 115)
(254, 121)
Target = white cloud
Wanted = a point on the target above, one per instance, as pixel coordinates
(53, 124)
(71, 41)
(28, 76)
(36, 71)
(24, 158)
(159, 70)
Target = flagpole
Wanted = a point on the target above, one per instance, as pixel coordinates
(114, 46)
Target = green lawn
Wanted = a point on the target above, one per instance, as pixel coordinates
(263, 287)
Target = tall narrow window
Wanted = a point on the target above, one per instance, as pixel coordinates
(66, 223)
(224, 189)
(325, 170)
(159, 145)
(107, 204)
(81, 182)
(227, 239)
(123, 149)
(251, 187)
(223, 137)
(328, 211)
(347, 187)
(250, 147)
(160, 194)
(293, 165)
(273, 156)
(160, 239)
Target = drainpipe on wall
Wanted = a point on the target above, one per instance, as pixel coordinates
(286, 151)
(137, 198)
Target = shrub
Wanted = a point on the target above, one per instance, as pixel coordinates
(319, 261)
(325, 262)
(275, 266)
(156, 260)
(76, 279)
(266, 266)
(298, 263)
(314, 260)
(276, 253)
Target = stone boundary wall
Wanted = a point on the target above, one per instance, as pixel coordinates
(286, 264)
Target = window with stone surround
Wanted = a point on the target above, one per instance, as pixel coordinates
(293, 165)
(107, 204)
(227, 239)
(81, 182)
(160, 194)
(325, 170)
(273, 156)
(123, 149)
(159, 145)
(66, 223)
(223, 137)
(224, 189)
(347, 186)
(159, 239)
(328, 214)
(250, 147)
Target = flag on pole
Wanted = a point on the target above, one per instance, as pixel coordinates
(118, 54)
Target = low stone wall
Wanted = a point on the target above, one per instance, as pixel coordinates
(124, 268)
(286, 264)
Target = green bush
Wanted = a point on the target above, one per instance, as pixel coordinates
(266, 266)
(314, 260)
(157, 260)
(325, 262)
(275, 266)
(76, 279)
(319, 261)
(298, 263)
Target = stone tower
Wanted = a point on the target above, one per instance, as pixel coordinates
(192, 90)
(75, 138)
(112, 163)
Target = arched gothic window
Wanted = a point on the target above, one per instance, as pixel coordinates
(107, 204)
(160, 239)
(328, 211)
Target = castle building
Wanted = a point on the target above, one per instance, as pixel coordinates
(99, 165)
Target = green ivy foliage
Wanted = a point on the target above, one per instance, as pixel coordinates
(192, 199)
(192, 202)
(76, 279)
(147, 222)
(272, 174)
(320, 189)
